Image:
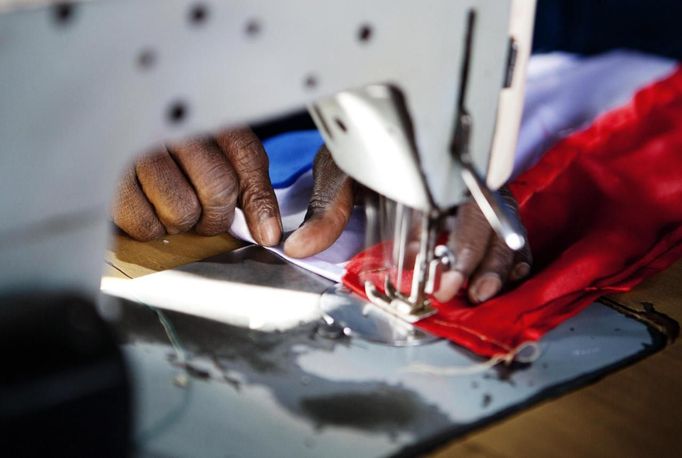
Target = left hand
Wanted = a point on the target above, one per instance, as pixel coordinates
(196, 185)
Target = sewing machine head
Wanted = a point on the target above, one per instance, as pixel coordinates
(423, 166)
(420, 103)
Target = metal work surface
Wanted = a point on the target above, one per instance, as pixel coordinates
(345, 312)
(211, 389)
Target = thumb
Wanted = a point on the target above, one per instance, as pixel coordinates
(328, 212)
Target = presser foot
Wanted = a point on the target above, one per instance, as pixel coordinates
(346, 314)
(394, 303)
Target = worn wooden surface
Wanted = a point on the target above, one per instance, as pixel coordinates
(131, 259)
(636, 411)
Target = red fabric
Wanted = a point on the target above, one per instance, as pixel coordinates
(603, 209)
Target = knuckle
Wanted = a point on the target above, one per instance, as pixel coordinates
(499, 250)
(499, 265)
(467, 258)
(244, 149)
(210, 169)
(323, 203)
(219, 186)
(150, 159)
(218, 215)
(325, 169)
(221, 194)
(259, 201)
(469, 248)
(499, 260)
(184, 215)
(248, 158)
(215, 220)
(328, 186)
(255, 184)
(192, 148)
(138, 224)
(239, 137)
(142, 229)
(318, 203)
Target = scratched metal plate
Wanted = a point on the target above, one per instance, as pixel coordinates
(203, 388)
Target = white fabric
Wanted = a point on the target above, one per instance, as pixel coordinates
(565, 92)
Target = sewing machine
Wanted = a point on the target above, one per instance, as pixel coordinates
(419, 102)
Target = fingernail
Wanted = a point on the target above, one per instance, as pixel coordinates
(270, 231)
(293, 243)
(450, 283)
(486, 287)
(520, 270)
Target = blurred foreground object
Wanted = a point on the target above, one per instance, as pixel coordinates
(63, 388)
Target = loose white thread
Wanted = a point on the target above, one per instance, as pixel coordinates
(517, 354)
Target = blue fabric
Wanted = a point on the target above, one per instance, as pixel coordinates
(291, 155)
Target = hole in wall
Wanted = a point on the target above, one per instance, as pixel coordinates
(146, 59)
(198, 14)
(177, 112)
(253, 28)
(310, 81)
(63, 13)
(365, 32)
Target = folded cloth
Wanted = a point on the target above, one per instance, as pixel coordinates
(603, 209)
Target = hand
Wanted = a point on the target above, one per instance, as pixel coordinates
(482, 259)
(197, 185)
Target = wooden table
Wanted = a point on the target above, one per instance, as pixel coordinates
(636, 411)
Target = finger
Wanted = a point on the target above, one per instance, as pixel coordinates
(493, 271)
(256, 196)
(215, 183)
(468, 241)
(133, 213)
(523, 262)
(167, 189)
(328, 212)
(523, 258)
